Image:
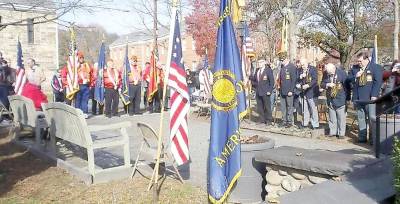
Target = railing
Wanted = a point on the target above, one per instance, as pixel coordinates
(385, 105)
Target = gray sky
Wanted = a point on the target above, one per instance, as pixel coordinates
(124, 19)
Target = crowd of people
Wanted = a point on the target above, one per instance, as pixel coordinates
(137, 81)
(299, 85)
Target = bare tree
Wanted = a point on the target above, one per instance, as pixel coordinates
(48, 11)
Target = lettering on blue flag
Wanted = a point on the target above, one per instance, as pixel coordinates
(227, 105)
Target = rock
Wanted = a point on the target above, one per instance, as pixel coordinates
(273, 178)
(316, 180)
(283, 173)
(290, 185)
(269, 189)
(298, 176)
(280, 192)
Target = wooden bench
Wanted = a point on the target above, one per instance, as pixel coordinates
(68, 123)
(26, 117)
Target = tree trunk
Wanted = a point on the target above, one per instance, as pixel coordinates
(292, 29)
(396, 30)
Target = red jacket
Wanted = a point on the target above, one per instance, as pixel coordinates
(116, 76)
(35, 94)
(87, 72)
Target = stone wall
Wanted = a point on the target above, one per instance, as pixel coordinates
(281, 180)
(43, 49)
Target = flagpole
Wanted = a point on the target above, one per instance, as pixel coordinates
(376, 49)
(160, 134)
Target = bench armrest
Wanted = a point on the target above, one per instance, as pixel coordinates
(94, 128)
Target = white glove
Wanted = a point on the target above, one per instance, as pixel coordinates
(330, 85)
(119, 90)
(395, 70)
(373, 98)
(268, 93)
(306, 86)
(290, 94)
(359, 73)
(298, 86)
(302, 76)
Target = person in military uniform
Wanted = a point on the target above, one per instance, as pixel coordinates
(264, 87)
(307, 84)
(334, 83)
(112, 85)
(367, 81)
(135, 86)
(86, 82)
(287, 79)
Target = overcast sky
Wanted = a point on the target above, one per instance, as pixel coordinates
(121, 19)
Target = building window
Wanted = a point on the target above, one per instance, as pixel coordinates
(31, 36)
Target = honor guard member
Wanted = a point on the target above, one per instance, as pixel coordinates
(367, 80)
(112, 85)
(135, 86)
(287, 78)
(264, 87)
(308, 87)
(85, 81)
(145, 82)
(334, 84)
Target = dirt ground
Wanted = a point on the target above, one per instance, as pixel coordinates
(24, 178)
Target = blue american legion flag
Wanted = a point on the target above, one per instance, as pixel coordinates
(179, 98)
(228, 104)
(99, 86)
(21, 77)
(124, 95)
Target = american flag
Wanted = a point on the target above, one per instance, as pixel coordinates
(72, 66)
(205, 76)
(179, 100)
(21, 77)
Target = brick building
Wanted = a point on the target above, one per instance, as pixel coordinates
(39, 41)
(140, 44)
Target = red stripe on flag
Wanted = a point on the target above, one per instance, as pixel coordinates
(179, 149)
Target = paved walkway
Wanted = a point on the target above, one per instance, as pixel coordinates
(199, 133)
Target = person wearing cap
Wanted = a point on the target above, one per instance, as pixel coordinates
(334, 84)
(367, 81)
(135, 88)
(86, 82)
(307, 84)
(112, 85)
(287, 79)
